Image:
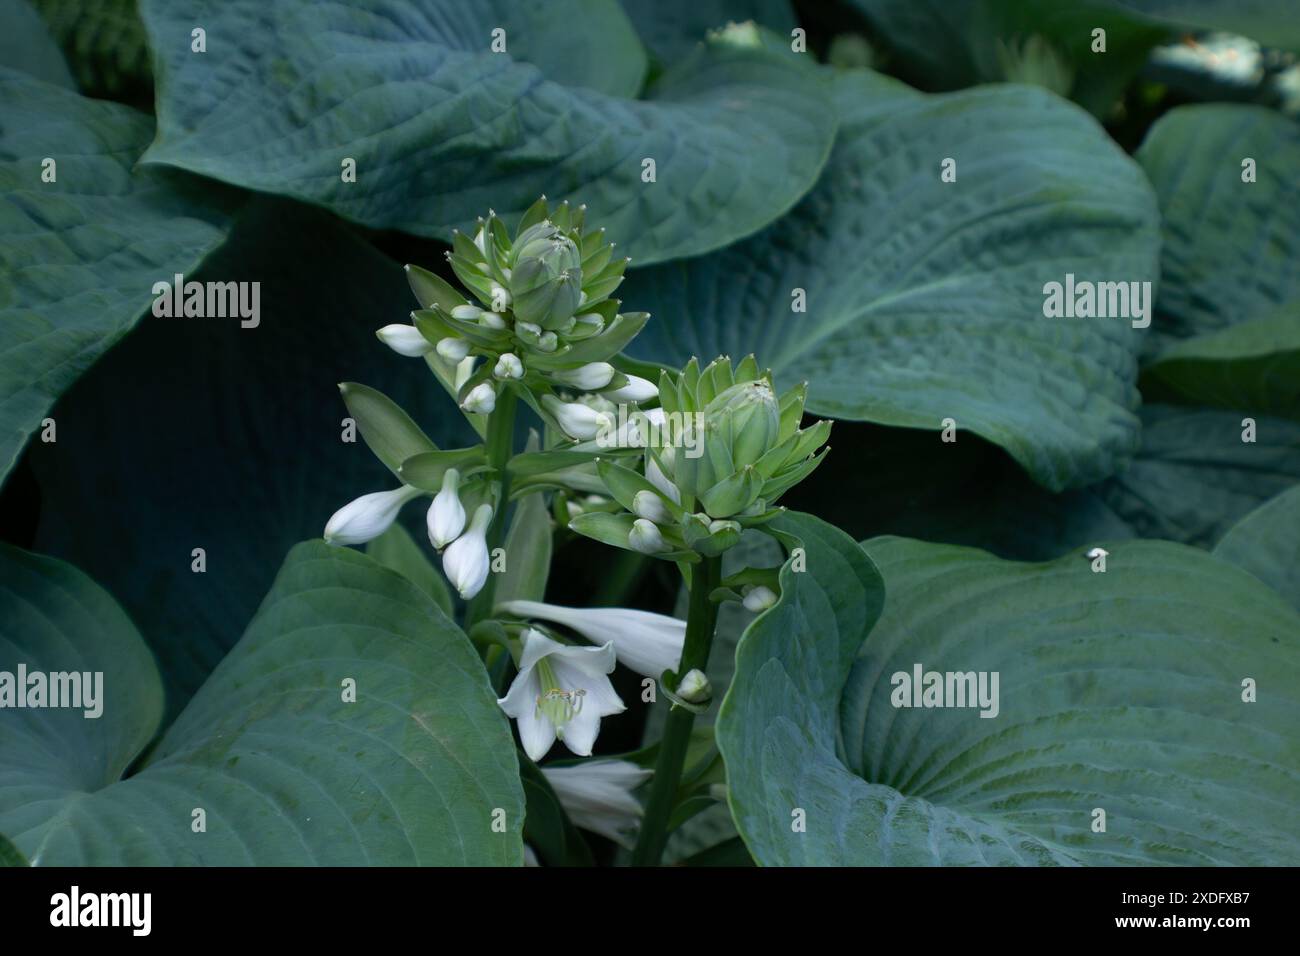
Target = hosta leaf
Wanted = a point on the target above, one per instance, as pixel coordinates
(925, 299)
(105, 44)
(286, 771)
(26, 45)
(396, 550)
(1271, 22)
(671, 29)
(204, 434)
(947, 44)
(1195, 477)
(1229, 306)
(912, 483)
(441, 128)
(1267, 544)
(79, 256)
(1119, 691)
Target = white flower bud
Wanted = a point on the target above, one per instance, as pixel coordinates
(759, 598)
(367, 517)
(446, 518)
(465, 562)
(482, 398)
(654, 474)
(695, 688)
(647, 504)
(490, 320)
(587, 377)
(467, 313)
(719, 525)
(646, 537)
(509, 366)
(548, 342)
(453, 349)
(576, 420)
(405, 340)
(637, 389)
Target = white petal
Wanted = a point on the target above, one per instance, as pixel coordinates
(537, 734)
(522, 696)
(581, 731)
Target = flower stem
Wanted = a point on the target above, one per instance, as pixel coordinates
(499, 445)
(701, 619)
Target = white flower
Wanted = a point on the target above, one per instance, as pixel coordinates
(646, 537)
(587, 377)
(465, 562)
(453, 349)
(404, 340)
(467, 313)
(446, 518)
(367, 517)
(637, 389)
(482, 398)
(597, 795)
(575, 419)
(508, 366)
(759, 598)
(561, 691)
(647, 643)
(647, 504)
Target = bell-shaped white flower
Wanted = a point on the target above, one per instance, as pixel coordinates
(465, 562)
(637, 389)
(453, 349)
(587, 377)
(405, 340)
(597, 796)
(647, 643)
(561, 692)
(576, 419)
(446, 518)
(647, 504)
(482, 398)
(646, 537)
(508, 366)
(367, 517)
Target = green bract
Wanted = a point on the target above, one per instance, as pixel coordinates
(726, 448)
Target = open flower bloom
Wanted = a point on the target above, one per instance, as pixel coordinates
(367, 517)
(647, 643)
(597, 795)
(561, 692)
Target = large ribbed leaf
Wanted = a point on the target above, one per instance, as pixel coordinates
(948, 44)
(105, 44)
(1120, 691)
(203, 434)
(1228, 330)
(1267, 544)
(79, 255)
(26, 45)
(1195, 477)
(924, 298)
(285, 769)
(441, 128)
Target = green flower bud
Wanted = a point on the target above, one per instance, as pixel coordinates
(546, 280)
